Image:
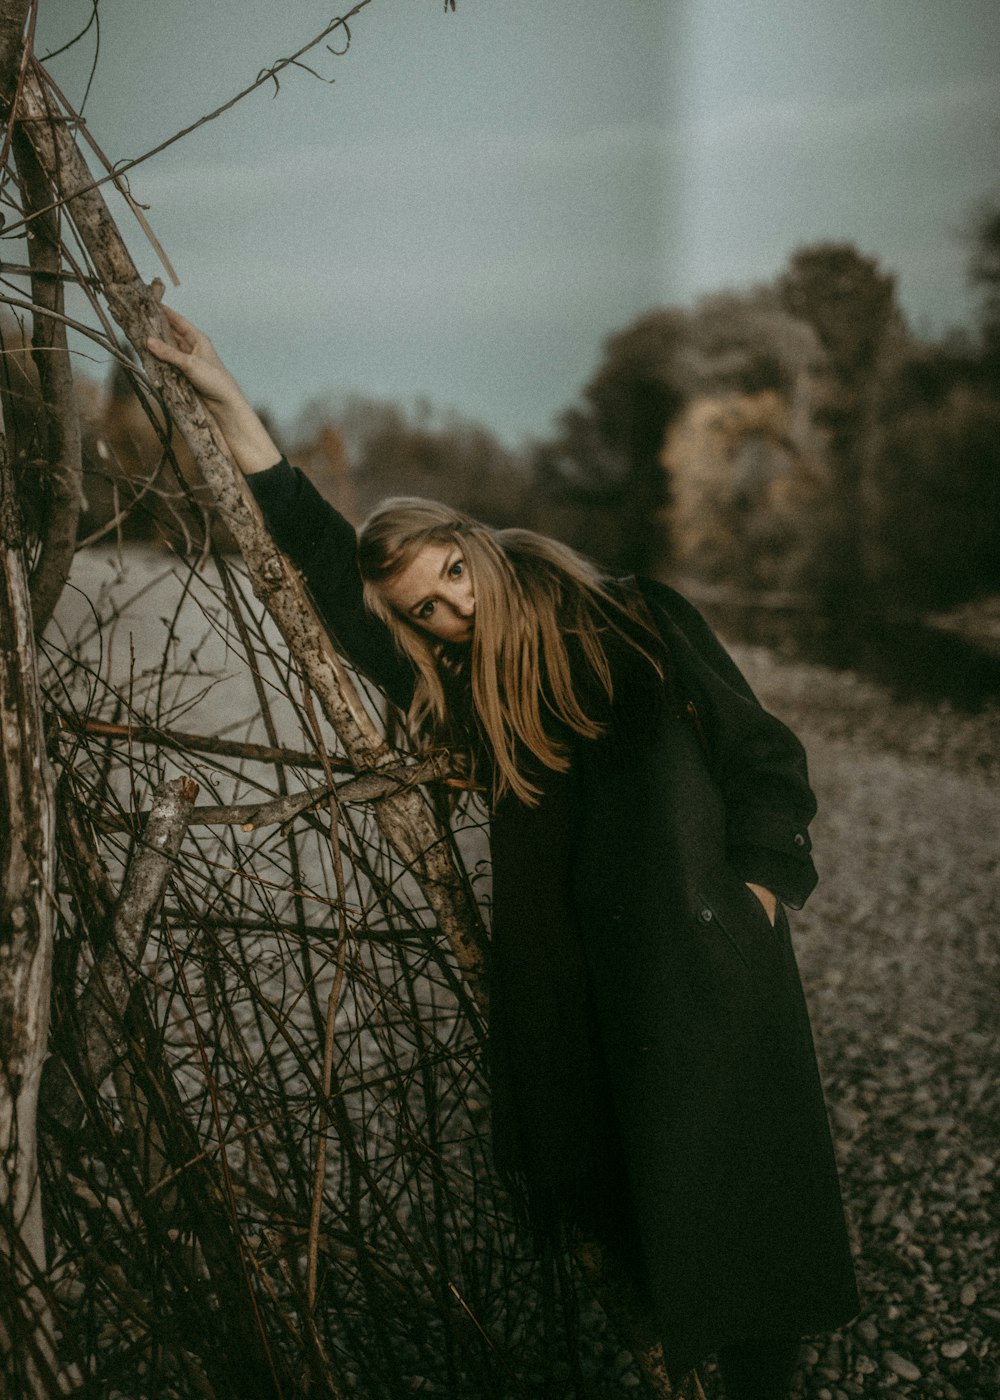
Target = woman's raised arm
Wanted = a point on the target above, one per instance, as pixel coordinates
(195, 356)
(316, 538)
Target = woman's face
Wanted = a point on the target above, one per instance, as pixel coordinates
(434, 592)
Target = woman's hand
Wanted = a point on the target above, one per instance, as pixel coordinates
(196, 358)
(769, 900)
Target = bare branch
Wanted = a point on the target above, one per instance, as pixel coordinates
(266, 75)
(111, 983)
(55, 379)
(199, 743)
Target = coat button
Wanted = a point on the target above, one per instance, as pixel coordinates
(705, 915)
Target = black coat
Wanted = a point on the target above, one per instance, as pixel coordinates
(640, 855)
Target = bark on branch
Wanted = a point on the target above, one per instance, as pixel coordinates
(110, 986)
(198, 743)
(61, 429)
(27, 922)
(365, 787)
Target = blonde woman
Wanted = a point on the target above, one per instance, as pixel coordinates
(653, 1075)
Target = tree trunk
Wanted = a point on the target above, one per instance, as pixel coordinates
(61, 433)
(13, 14)
(27, 922)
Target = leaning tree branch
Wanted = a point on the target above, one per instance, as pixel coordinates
(61, 427)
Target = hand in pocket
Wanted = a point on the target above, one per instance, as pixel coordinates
(769, 900)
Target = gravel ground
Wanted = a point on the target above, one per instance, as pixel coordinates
(899, 952)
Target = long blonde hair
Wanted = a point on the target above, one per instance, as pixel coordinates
(531, 593)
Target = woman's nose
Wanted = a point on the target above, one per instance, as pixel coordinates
(466, 606)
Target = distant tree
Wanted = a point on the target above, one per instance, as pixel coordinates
(362, 450)
(850, 303)
(606, 454)
(749, 488)
(747, 342)
(984, 275)
(938, 471)
(938, 451)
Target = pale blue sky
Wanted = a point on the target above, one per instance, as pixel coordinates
(481, 197)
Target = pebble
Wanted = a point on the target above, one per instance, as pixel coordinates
(953, 1350)
(883, 1208)
(900, 1366)
(968, 1296)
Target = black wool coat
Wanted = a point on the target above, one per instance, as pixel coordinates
(686, 1000)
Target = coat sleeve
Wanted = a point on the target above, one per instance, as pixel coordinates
(321, 543)
(758, 763)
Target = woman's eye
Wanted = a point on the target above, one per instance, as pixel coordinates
(457, 569)
(426, 609)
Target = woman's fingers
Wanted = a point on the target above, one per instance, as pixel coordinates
(194, 355)
(202, 368)
(179, 323)
(188, 336)
(163, 351)
(181, 355)
(175, 317)
(211, 382)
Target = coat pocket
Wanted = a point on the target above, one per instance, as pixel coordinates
(726, 906)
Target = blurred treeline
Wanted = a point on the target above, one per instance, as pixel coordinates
(797, 438)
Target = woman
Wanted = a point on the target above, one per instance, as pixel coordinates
(653, 1074)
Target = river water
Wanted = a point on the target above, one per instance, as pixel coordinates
(914, 660)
